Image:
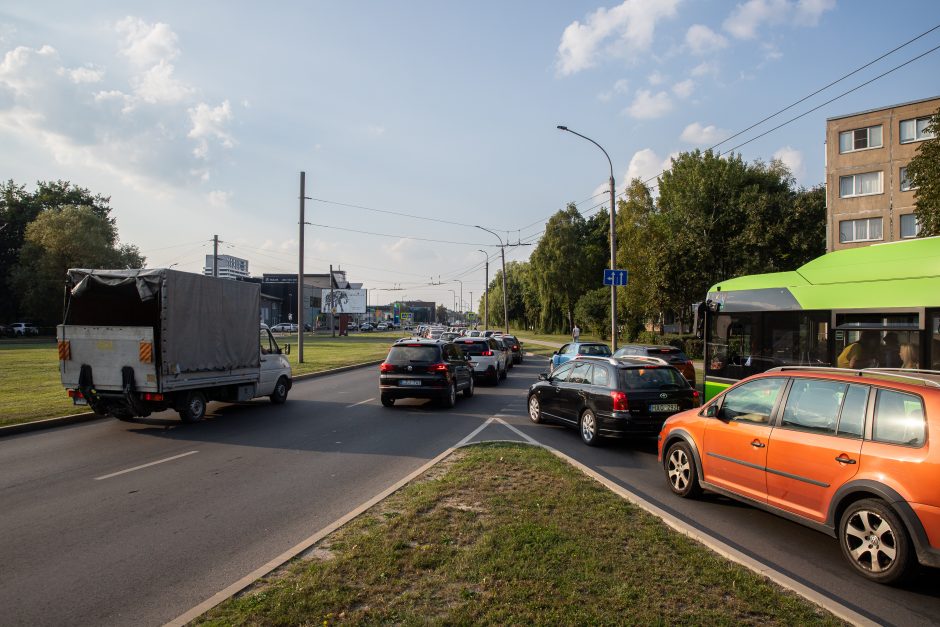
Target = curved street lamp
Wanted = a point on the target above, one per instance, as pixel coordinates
(502, 250)
(613, 238)
(486, 291)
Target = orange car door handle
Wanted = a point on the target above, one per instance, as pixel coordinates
(845, 460)
(758, 444)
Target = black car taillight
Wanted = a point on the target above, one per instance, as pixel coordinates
(386, 368)
(620, 401)
(435, 368)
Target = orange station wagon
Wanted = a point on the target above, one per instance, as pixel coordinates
(846, 452)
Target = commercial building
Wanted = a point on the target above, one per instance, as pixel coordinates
(284, 287)
(229, 267)
(868, 196)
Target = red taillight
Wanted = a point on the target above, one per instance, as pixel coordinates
(620, 401)
(437, 368)
(386, 368)
(149, 396)
(487, 353)
(696, 398)
(76, 394)
(515, 347)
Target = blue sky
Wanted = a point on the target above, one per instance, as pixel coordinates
(196, 118)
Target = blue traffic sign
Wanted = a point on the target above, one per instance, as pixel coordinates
(615, 277)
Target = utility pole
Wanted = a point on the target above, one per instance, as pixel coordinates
(332, 302)
(486, 291)
(502, 250)
(215, 256)
(300, 274)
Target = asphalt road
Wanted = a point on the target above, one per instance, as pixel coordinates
(82, 545)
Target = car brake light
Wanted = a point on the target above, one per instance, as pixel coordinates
(620, 401)
(150, 396)
(487, 353)
(515, 347)
(437, 368)
(696, 398)
(386, 368)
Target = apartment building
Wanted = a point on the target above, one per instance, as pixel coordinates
(868, 196)
(229, 267)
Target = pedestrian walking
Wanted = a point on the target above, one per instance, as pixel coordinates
(576, 333)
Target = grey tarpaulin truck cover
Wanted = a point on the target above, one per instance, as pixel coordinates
(201, 324)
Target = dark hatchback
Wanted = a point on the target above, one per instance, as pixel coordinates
(419, 368)
(515, 348)
(607, 397)
(670, 354)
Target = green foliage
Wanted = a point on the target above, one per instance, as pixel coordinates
(22, 295)
(59, 239)
(924, 173)
(592, 313)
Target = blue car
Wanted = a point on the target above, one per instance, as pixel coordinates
(572, 350)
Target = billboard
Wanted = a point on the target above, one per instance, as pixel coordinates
(344, 301)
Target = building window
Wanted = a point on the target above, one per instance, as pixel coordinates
(865, 230)
(860, 184)
(905, 182)
(915, 130)
(860, 139)
(909, 226)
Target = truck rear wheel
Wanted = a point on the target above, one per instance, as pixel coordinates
(280, 391)
(193, 408)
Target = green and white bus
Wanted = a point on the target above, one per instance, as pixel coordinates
(885, 297)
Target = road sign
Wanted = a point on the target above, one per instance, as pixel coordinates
(407, 316)
(615, 277)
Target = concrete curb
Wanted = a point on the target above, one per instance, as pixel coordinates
(51, 423)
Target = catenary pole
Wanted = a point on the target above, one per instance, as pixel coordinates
(300, 274)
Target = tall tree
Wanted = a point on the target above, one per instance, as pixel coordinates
(924, 174)
(641, 242)
(59, 239)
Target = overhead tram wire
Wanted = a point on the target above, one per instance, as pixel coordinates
(821, 89)
(420, 239)
(389, 212)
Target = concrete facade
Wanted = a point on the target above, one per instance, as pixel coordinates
(871, 173)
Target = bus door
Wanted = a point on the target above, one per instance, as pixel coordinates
(932, 348)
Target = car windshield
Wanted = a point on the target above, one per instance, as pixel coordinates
(651, 378)
(473, 348)
(594, 349)
(411, 353)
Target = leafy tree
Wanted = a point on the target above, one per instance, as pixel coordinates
(18, 208)
(923, 172)
(592, 312)
(441, 314)
(59, 239)
(641, 242)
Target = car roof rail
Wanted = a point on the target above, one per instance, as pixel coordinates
(644, 358)
(608, 360)
(926, 378)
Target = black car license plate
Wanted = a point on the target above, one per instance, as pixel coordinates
(409, 382)
(664, 407)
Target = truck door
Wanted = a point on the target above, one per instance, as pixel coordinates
(270, 363)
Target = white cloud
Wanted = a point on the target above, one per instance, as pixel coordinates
(375, 130)
(157, 85)
(210, 123)
(625, 29)
(808, 12)
(146, 44)
(771, 52)
(656, 78)
(218, 198)
(695, 133)
(702, 40)
(793, 159)
(647, 105)
(747, 18)
(622, 87)
(684, 89)
(86, 74)
(705, 68)
(645, 165)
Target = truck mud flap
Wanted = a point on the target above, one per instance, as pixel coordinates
(127, 386)
(86, 385)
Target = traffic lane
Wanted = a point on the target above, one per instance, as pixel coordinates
(808, 556)
(152, 543)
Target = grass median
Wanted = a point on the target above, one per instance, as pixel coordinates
(510, 534)
(31, 390)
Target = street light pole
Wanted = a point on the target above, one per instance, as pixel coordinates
(613, 238)
(502, 250)
(486, 291)
(461, 295)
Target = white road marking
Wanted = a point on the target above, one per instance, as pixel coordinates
(160, 461)
(368, 400)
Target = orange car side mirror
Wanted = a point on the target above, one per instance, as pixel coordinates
(711, 411)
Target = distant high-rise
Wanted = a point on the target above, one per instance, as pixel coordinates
(229, 267)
